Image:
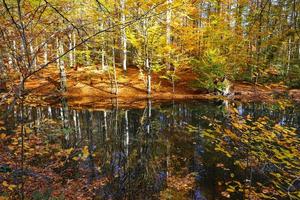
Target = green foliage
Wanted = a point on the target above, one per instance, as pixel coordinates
(293, 78)
(209, 69)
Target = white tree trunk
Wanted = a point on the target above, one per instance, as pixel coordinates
(11, 56)
(87, 56)
(46, 53)
(149, 113)
(74, 51)
(63, 76)
(168, 30)
(289, 57)
(57, 53)
(49, 112)
(10, 60)
(123, 35)
(75, 121)
(126, 134)
(65, 117)
(33, 57)
(116, 90)
(105, 124)
(148, 77)
(71, 61)
(104, 67)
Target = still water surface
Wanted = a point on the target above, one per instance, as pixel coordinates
(151, 153)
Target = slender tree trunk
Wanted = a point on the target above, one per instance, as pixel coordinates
(75, 122)
(168, 31)
(71, 61)
(50, 112)
(126, 134)
(10, 60)
(63, 76)
(1, 64)
(148, 117)
(3, 86)
(12, 56)
(148, 77)
(105, 125)
(123, 35)
(87, 56)
(57, 53)
(104, 68)
(74, 51)
(32, 55)
(116, 89)
(65, 118)
(289, 57)
(78, 124)
(46, 53)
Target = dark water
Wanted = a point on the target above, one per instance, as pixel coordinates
(150, 153)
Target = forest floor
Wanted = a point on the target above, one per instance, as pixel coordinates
(89, 87)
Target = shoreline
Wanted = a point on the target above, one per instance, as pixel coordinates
(92, 90)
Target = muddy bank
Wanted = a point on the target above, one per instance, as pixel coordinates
(91, 88)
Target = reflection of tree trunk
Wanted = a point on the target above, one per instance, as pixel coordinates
(115, 111)
(105, 124)
(38, 118)
(149, 107)
(89, 128)
(75, 122)
(65, 118)
(49, 112)
(126, 133)
(78, 124)
(22, 148)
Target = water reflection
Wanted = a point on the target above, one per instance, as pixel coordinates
(145, 153)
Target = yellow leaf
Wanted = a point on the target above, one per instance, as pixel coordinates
(2, 136)
(12, 187)
(85, 152)
(68, 151)
(75, 158)
(5, 184)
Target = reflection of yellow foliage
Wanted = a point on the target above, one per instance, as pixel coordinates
(264, 142)
(178, 187)
(85, 152)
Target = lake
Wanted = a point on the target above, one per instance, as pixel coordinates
(171, 150)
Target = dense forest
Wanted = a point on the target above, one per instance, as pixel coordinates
(255, 41)
(149, 99)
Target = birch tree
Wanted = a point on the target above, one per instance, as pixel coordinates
(123, 34)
